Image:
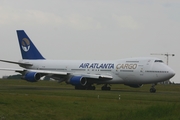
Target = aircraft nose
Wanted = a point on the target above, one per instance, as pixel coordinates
(171, 73)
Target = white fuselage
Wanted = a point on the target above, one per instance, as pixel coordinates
(123, 71)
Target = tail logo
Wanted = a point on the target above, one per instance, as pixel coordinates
(25, 44)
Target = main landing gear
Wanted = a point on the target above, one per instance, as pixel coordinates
(152, 89)
(87, 87)
(90, 87)
(105, 87)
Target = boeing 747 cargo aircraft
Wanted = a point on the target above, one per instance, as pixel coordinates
(83, 74)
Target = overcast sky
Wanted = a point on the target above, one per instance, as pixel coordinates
(92, 29)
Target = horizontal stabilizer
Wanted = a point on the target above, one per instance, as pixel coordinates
(19, 63)
(13, 69)
(37, 71)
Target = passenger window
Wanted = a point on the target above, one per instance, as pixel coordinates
(158, 61)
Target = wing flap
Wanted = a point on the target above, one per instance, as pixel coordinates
(98, 76)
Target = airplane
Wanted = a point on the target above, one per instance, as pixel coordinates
(83, 74)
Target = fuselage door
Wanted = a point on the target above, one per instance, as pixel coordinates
(141, 70)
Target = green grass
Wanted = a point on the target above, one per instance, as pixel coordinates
(47, 100)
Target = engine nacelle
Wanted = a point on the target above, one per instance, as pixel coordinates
(32, 76)
(134, 85)
(78, 81)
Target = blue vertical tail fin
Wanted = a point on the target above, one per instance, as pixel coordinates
(28, 49)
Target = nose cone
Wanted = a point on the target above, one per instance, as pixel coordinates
(171, 73)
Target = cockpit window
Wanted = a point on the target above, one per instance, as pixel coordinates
(158, 61)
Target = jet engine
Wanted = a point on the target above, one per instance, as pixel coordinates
(134, 85)
(78, 81)
(32, 76)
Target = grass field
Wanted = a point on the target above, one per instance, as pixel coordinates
(48, 100)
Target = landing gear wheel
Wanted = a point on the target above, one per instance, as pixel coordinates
(152, 90)
(85, 87)
(105, 87)
(91, 88)
(80, 87)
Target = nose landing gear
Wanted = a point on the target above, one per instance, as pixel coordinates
(152, 89)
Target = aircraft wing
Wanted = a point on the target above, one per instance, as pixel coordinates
(59, 73)
(94, 76)
(51, 73)
(48, 72)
